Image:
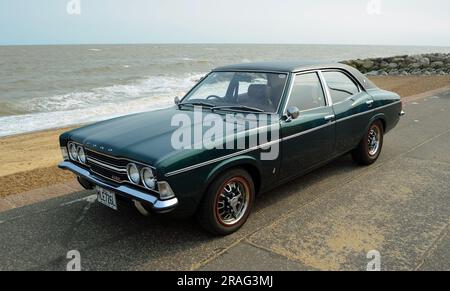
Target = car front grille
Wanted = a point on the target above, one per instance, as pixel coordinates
(120, 163)
(107, 167)
(112, 169)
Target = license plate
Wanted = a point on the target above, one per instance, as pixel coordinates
(106, 197)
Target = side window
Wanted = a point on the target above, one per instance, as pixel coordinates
(340, 85)
(307, 92)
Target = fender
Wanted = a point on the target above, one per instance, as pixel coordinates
(378, 116)
(231, 163)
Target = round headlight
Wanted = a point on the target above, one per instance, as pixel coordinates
(73, 152)
(81, 155)
(148, 178)
(133, 173)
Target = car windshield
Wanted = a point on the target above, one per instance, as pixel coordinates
(240, 91)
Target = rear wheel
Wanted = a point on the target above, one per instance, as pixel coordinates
(369, 149)
(227, 203)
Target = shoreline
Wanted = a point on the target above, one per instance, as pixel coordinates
(29, 161)
(391, 83)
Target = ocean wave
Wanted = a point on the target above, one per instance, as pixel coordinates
(10, 125)
(154, 86)
(96, 105)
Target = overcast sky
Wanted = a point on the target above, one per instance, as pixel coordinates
(382, 22)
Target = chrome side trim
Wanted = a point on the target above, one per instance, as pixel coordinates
(329, 117)
(221, 158)
(157, 204)
(274, 142)
(307, 131)
(94, 161)
(367, 112)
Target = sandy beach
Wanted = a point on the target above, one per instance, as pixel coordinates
(29, 161)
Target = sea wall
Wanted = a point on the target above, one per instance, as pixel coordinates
(426, 64)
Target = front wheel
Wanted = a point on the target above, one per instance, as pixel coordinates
(369, 149)
(227, 203)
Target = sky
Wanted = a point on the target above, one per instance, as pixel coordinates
(365, 22)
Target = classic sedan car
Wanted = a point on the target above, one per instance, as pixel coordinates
(317, 113)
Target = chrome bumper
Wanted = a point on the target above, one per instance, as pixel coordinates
(402, 113)
(157, 205)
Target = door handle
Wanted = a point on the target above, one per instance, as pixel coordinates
(369, 103)
(329, 117)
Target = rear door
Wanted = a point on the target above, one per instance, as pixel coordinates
(351, 105)
(310, 138)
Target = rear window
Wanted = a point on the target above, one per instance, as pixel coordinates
(340, 85)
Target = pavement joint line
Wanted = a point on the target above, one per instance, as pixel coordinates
(430, 160)
(202, 263)
(433, 246)
(319, 196)
(272, 251)
(14, 218)
(73, 228)
(89, 199)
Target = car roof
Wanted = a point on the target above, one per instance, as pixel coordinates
(294, 67)
(286, 67)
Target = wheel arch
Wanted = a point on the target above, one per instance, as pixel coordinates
(247, 163)
(381, 117)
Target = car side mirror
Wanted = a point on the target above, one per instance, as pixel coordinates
(293, 113)
(177, 100)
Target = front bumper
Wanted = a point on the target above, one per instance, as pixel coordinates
(157, 205)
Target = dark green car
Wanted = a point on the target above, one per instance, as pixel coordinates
(242, 130)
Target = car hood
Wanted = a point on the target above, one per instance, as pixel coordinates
(144, 137)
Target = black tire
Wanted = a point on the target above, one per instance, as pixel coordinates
(208, 214)
(364, 154)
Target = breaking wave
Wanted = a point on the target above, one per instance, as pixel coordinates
(97, 104)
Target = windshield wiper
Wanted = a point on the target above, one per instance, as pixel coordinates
(238, 107)
(203, 104)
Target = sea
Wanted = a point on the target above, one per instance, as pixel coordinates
(46, 87)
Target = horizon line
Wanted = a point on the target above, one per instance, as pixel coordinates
(220, 43)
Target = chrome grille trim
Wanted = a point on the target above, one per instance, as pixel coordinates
(117, 159)
(106, 165)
